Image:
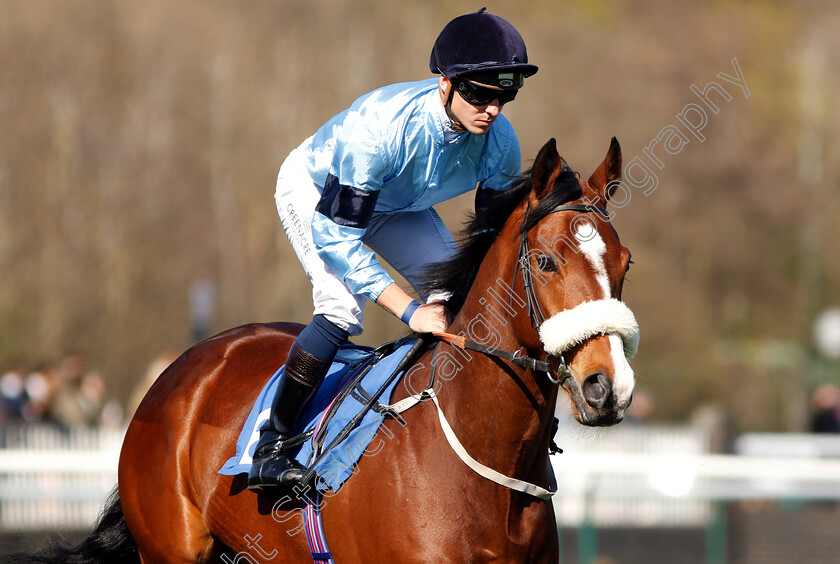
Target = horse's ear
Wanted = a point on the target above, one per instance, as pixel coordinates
(546, 169)
(608, 175)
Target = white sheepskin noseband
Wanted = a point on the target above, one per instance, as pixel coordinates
(573, 326)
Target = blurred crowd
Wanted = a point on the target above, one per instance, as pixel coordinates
(826, 409)
(67, 393)
(70, 394)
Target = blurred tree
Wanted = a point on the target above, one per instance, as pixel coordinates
(140, 144)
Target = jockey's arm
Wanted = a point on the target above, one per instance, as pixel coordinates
(426, 319)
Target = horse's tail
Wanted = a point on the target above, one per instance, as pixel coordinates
(110, 542)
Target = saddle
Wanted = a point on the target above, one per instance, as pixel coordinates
(338, 423)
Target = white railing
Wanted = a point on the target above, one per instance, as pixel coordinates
(600, 480)
(636, 476)
(56, 479)
(665, 477)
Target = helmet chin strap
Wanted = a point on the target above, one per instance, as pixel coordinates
(447, 106)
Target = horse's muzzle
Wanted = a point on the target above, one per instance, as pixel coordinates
(594, 402)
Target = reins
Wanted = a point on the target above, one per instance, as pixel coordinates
(515, 358)
(534, 311)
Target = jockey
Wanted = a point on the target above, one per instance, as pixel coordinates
(369, 177)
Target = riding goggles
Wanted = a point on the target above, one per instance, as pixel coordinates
(478, 95)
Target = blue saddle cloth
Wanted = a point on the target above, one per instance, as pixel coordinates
(337, 465)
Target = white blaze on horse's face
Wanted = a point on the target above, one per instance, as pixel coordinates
(603, 315)
(593, 247)
(624, 380)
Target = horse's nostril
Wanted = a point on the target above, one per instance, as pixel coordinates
(596, 389)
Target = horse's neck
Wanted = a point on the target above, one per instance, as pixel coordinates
(504, 411)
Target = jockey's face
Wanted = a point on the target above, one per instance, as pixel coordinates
(475, 119)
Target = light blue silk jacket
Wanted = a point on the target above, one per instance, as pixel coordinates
(394, 150)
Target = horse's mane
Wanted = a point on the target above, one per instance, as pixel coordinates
(456, 275)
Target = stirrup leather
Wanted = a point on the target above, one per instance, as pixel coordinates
(273, 466)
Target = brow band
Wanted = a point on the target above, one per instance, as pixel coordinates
(582, 208)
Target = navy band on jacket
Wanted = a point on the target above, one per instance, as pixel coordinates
(346, 205)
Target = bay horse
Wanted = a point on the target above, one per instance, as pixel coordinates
(525, 279)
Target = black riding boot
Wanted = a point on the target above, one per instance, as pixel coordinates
(272, 467)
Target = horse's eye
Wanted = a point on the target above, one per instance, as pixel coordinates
(546, 263)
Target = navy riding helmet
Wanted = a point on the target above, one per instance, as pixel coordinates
(485, 45)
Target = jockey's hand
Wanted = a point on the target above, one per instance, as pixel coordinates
(429, 318)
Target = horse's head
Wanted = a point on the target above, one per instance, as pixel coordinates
(547, 247)
(577, 267)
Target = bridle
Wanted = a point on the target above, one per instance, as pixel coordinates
(534, 311)
(535, 314)
(515, 358)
